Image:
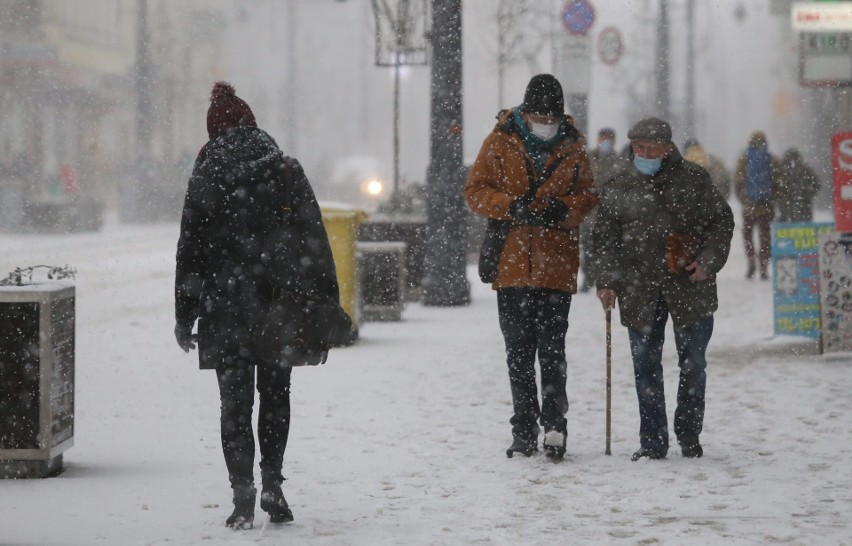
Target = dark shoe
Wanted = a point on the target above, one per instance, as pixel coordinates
(522, 446)
(272, 502)
(750, 272)
(764, 276)
(243, 514)
(691, 449)
(648, 452)
(554, 444)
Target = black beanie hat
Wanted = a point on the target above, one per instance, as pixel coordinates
(544, 96)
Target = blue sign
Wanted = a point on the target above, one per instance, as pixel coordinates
(795, 278)
(578, 16)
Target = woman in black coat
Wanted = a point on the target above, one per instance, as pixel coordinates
(250, 226)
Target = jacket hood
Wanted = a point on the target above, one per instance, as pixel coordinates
(239, 151)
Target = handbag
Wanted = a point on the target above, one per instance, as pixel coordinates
(492, 248)
(300, 329)
(681, 250)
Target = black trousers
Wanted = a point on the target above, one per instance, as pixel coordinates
(236, 393)
(534, 321)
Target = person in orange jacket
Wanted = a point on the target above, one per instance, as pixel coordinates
(533, 172)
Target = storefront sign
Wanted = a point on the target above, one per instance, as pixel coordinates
(795, 267)
(841, 162)
(835, 262)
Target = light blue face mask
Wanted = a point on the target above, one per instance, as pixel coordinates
(606, 146)
(648, 167)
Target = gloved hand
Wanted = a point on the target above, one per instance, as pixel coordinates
(185, 338)
(555, 213)
(520, 209)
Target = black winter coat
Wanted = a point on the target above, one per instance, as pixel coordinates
(635, 217)
(250, 226)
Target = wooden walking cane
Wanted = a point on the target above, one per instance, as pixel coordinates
(608, 379)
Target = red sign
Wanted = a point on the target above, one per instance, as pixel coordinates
(610, 45)
(841, 163)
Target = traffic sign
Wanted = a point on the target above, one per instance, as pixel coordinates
(578, 17)
(610, 45)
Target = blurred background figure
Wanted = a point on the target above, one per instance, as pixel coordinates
(796, 189)
(606, 162)
(756, 182)
(693, 151)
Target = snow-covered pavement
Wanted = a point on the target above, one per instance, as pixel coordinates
(400, 439)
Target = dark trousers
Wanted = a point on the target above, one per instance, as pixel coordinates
(764, 240)
(236, 393)
(535, 321)
(647, 350)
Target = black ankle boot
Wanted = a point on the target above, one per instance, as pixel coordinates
(243, 514)
(523, 446)
(272, 502)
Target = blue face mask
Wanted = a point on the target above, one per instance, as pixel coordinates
(648, 167)
(606, 146)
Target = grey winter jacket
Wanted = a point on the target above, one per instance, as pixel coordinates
(635, 217)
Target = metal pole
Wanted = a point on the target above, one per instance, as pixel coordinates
(137, 206)
(689, 115)
(662, 66)
(291, 114)
(396, 124)
(608, 380)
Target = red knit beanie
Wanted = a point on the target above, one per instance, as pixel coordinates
(227, 110)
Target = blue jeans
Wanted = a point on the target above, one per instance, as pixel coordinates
(535, 321)
(647, 350)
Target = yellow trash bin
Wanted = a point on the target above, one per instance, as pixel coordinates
(341, 224)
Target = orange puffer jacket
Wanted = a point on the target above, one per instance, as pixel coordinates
(534, 256)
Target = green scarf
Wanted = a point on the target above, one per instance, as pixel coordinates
(538, 148)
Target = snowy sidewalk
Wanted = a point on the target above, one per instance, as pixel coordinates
(400, 439)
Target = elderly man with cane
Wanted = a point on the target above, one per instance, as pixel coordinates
(662, 233)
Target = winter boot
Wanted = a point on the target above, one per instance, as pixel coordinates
(648, 452)
(243, 515)
(523, 446)
(691, 448)
(272, 502)
(751, 269)
(554, 444)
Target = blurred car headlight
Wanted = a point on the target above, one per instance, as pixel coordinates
(373, 187)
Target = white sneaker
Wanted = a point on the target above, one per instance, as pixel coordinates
(554, 444)
(554, 438)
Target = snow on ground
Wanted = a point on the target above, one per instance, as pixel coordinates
(400, 439)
